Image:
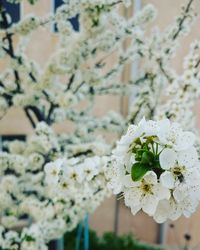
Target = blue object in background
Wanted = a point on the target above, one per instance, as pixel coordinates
(86, 232)
(78, 237)
(13, 10)
(60, 244)
(74, 20)
(83, 225)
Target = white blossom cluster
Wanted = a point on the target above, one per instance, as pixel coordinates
(157, 76)
(32, 238)
(80, 59)
(48, 187)
(52, 94)
(183, 92)
(78, 186)
(156, 168)
(50, 181)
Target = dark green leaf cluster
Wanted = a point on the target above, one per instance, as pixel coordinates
(109, 241)
(147, 159)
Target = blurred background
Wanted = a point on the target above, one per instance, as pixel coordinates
(112, 215)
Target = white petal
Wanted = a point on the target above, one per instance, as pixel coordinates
(163, 130)
(135, 209)
(130, 133)
(161, 192)
(132, 197)
(149, 204)
(120, 150)
(167, 158)
(115, 185)
(164, 124)
(188, 157)
(47, 168)
(167, 179)
(175, 214)
(178, 195)
(59, 162)
(127, 181)
(129, 160)
(151, 128)
(185, 140)
(139, 130)
(142, 123)
(187, 214)
(175, 129)
(162, 211)
(126, 139)
(150, 177)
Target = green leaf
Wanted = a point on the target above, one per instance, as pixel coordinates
(145, 147)
(140, 151)
(157, 162)
(29, 238)
(138, 171)
(147, 158)
(138, 155)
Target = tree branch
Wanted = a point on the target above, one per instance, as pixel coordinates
(70, 82)
(181, 22)
(29, 116)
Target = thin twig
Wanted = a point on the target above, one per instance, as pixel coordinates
(78, 87)
(181, 22)
(70, 82)
(197, 64)
(29, 116)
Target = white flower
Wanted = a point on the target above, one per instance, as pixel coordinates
(155, 171)
(90, 168)
(56, 196)
(167, 179)
(171, 209)
(188, 157)
(172, 134)
(145, 194)
(162, 212)
(168, 158)
(52, 171)
(115, 173)
(36, 161)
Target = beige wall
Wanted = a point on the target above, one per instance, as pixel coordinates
(15, 122)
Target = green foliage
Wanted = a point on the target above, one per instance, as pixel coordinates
(138, 170)
(147, 159)
(109, 241)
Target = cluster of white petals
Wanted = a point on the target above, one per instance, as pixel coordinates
(47, 188)
(184, 91)
(49, 182)
(155, 165)
(77, 186)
